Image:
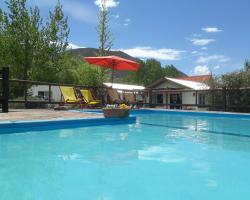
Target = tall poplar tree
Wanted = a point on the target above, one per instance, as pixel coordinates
(104, 33)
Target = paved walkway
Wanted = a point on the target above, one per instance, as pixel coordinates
(42, 114)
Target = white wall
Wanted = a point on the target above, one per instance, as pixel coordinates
(55, 90)
(188, 98)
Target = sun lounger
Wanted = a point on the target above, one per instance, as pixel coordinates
(69, 95)
(113, 96)
(89, 99)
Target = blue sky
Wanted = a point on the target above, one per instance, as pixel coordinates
(197, 36)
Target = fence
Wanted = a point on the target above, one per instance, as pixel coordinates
(4, 97)
(19, 92)
(25, 83)
(220, 99)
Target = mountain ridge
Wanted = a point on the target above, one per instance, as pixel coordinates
(90, 52)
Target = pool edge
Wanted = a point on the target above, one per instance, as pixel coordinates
(15, 126)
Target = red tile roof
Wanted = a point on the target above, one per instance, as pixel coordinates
(200, 79)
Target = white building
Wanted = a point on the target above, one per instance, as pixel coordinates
(42, 91)
(186, 90)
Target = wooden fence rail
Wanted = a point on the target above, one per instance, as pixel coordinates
(147, 93)
(4, 97)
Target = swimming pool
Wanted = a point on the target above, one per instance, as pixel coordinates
(164, 155)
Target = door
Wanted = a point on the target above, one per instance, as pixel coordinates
(175, 99)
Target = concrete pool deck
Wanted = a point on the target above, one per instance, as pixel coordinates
(44, 114)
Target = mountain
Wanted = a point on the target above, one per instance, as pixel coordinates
(86, 52)
(171, 71)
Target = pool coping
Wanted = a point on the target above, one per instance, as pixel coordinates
(60, 123)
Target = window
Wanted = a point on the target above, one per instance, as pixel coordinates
(202, 99)
(43, 94)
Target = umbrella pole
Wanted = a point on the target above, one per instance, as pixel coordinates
(112, 75)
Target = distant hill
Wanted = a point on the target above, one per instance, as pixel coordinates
(88, 52)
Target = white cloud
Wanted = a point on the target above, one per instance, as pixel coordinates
(201, 42)
(217, 58)
(203, 48)
(201, 70)
(127, 20)
(74, 46)
(149, 52)
(211, 29)
(108, 3)
(116, 16)
(217, 67)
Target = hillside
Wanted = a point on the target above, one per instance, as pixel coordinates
(85, 52)
(88, 52)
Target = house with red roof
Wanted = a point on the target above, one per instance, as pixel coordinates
(190, 91)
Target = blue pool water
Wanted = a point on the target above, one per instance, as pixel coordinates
(161, 156)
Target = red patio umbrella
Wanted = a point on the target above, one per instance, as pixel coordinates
(113, 62)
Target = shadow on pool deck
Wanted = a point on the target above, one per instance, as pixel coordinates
(43, 114)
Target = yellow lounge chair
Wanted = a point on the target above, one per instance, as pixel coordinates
(69, 95)
(89, 99)
(113, 96)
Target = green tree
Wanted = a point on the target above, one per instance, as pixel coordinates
(32, 49)
(151, 71)
(21, 32)
(3, 39)
(103, 29)
(104, 35)
(172, 72)
(247, 65)
(53, 45)
(234, 83)
(75, 71)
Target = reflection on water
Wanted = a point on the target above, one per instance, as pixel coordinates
(161, 154)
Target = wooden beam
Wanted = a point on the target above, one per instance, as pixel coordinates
(5, 94)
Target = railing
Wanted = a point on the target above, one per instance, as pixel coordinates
(220, 99)
(25, 100)
(50, 85)
(4, 97)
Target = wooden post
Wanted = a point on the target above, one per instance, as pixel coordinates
(49, 93)
(224, 96)
(150, 98)
(166, 100)
(5, 75)
(196, 100)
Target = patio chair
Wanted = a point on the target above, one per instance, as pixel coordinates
(89, 99)
(69, 95)
(130, 98)
(114, 97)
